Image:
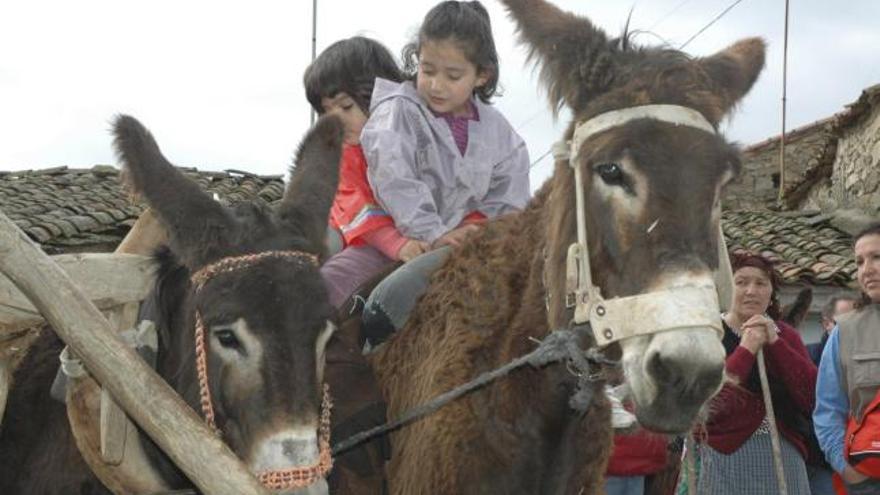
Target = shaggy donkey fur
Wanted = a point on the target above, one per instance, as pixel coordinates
(505, 286)
(282, 305)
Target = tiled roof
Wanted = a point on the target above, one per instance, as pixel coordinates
(62, 208)
(803, 246)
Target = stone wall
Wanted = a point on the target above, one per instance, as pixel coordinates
(831, 165)
(855, 181)
(757, 186)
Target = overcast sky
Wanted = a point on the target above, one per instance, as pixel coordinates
(219, 83)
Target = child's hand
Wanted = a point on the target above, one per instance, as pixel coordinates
(411, 248)
(456, 236)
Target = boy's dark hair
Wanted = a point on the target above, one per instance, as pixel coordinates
(350, 66)
(467, 25)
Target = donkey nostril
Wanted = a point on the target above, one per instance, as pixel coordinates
(661, 369)
(289, 447)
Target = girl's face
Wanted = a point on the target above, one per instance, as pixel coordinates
(446, 79)
(751, 292)
(352, 116)
(867, 251)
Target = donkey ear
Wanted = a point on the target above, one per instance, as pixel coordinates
(735, 69)
(314, 178)
(197, 225)
(576, 58)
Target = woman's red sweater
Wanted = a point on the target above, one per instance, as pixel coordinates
(736, 412)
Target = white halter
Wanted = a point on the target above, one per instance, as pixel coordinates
(619, 318)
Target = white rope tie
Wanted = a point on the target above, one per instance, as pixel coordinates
(71, 365)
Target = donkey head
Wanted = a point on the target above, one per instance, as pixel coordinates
(652, 188)
(256, 294)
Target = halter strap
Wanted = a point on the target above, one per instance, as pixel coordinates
(278, 479)
(672, 114)
(620, 318)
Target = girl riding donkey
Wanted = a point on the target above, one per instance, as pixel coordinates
(441, 159)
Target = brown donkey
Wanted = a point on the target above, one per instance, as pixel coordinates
(652, 186)
(247, 279)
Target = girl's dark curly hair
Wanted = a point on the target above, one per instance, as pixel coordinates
(742, 260)
(467, 25)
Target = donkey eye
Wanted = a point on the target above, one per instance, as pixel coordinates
(227, 339)
(611, 173)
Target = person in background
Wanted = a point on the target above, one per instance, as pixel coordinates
(836, 306)
(818, 470)
(363, 237)
(734, 448)
(636, 456)
(441, 160)
(849, 372)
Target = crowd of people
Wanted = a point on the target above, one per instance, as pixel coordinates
(826, 396)
(427, 160)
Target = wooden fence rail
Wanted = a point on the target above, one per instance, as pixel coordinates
(169, 421)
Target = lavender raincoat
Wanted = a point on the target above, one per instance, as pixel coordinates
(418, 174)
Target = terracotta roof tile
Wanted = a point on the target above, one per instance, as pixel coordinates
(81, 207)
(802, 252)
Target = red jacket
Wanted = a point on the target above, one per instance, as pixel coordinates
(355, 211)
(356, 214)
(639, 454)
(736, 412)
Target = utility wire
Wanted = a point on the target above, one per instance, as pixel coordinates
(666, 16)
(713, 21)
(540, 158)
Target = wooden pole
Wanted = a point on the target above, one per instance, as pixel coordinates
(5, 377)
(784, 86)
(775, 444)
(314, 48)
(151, 402)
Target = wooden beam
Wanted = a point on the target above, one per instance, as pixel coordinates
(149, 400)
(5, 377)
(108, 280)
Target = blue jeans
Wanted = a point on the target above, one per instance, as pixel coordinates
(625, 485)
(820, 480)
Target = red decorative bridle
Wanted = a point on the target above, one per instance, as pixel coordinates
(284, 479)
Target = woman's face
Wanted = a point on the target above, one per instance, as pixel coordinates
(751, 292)
(867, 251)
